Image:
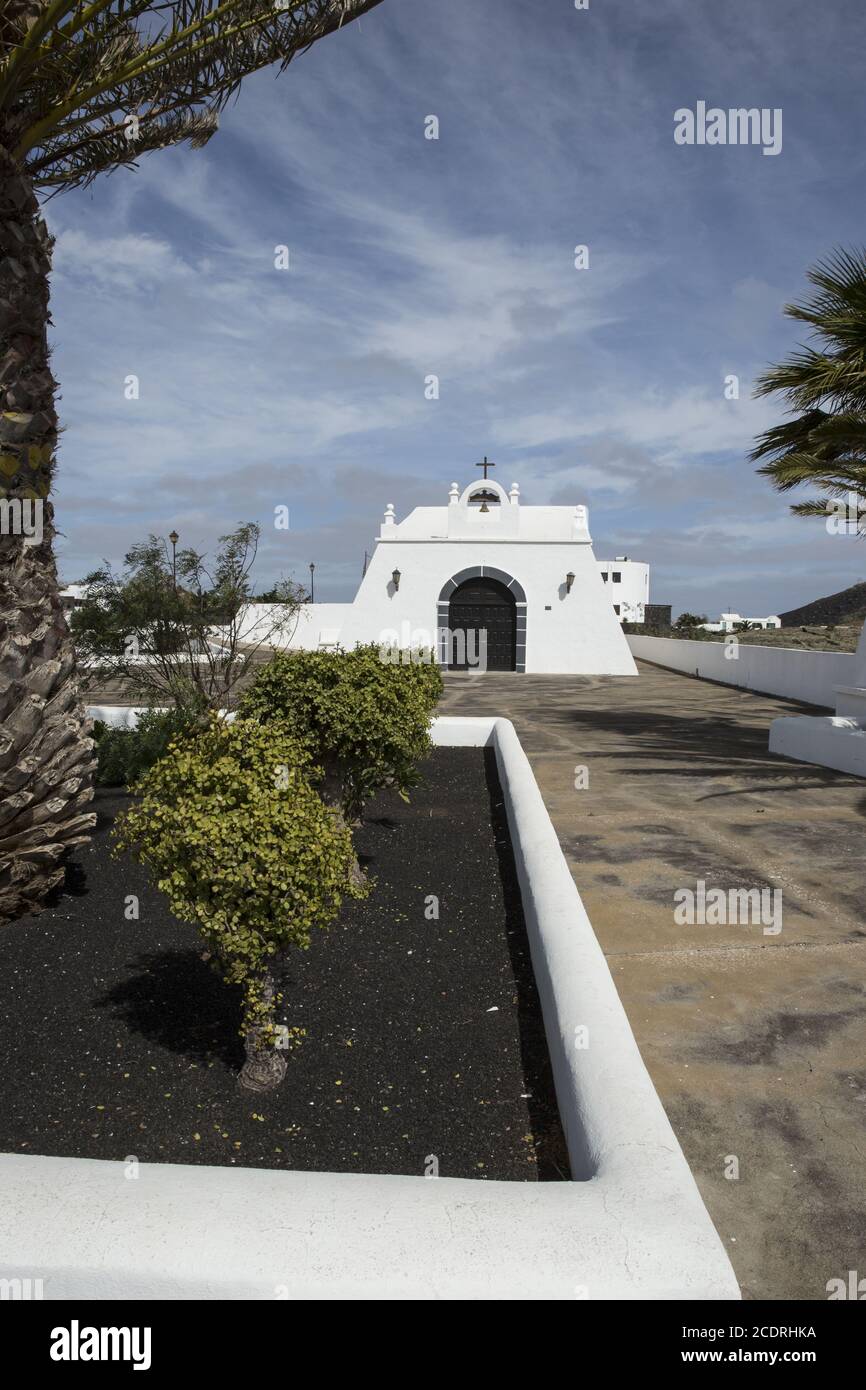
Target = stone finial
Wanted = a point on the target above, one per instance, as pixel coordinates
(453, 495)
(389, 514)
(514, 494)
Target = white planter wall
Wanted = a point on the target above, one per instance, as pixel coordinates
(794, 675)
(632, 1224)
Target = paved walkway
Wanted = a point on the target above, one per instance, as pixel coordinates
(756, 1043)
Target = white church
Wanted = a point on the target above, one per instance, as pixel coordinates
(488, 582)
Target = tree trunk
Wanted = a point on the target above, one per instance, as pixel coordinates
(331, 791)
(46, 755)
(264, 1067)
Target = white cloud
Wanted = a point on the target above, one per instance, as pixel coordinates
(129, 262)
(681, 425)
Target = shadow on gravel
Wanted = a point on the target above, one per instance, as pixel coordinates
(703, 745)
(176, 1000)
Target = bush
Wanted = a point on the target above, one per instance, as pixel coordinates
(244, 848)
(177, 630)
(124, 754)
(365, 720)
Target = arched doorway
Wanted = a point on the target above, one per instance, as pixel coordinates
(482, 626)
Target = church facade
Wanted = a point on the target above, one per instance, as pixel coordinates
(488, 583)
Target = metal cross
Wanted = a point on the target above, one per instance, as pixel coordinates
(485, 465)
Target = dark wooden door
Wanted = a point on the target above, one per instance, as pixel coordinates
(482, 606)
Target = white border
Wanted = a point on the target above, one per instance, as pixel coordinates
(635, 1227)
(837, 741)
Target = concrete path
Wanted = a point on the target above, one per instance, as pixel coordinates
(756, 1042)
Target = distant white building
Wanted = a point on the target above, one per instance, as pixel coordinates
(72, 596)
(728, 621)
(484, 569)
(628, 586)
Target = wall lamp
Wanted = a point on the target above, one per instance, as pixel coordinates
(569, 580)
(396, 578)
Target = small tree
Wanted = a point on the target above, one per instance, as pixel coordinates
(86, 87)
(181, 633)
(365, 720)
(690, 620)
(243, 847)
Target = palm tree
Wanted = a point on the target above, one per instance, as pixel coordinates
(85, 86)
(825, 444)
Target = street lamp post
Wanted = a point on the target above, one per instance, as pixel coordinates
(312, 582)
(174, 538)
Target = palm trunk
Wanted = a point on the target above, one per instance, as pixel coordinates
(46, 755)
(264, 1067)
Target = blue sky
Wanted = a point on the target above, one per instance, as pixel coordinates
(409, 257)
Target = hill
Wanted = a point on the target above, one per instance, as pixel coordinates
(848, 605)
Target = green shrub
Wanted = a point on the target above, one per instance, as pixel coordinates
(365, 719)
(124, 754)
(243, 847)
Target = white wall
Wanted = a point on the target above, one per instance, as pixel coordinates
(828, 740)
(318, 624)
(575, 633)
(795, 675)
(631, 593)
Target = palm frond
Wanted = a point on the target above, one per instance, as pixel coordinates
(110, 147)
(825, 444)
(69, 88)
(816, 506)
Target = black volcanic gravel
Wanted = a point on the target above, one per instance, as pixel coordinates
(423, 1037)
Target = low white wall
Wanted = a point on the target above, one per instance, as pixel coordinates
(119, 716)
(316, 623)
(127, 716)
(833, 741)
(795, 675)
(637, 1230)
